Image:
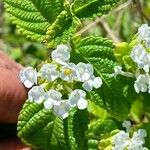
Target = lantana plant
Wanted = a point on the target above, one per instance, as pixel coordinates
(81, 96)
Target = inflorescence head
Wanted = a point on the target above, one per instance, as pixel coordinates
(135, 58)
(53, 83)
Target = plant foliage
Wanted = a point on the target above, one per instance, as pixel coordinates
(116, 94)
(54, 22)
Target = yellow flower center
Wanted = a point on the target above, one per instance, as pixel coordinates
(68, 71)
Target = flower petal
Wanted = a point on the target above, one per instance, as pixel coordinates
(82, 104)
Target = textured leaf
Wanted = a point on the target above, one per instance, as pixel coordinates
(100, 128)
(116, 94)
(33, 17)
(96, 7)
(103, 126)
(39, 128)
(35, 126)
(62, 29)
(80, 127)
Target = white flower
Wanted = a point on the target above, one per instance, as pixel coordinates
(84, 71)
(138, 137)
(77, 98)
(95, 82)
(121, 140)
(36, 94)
(68, 72)
(85, 74)
(28, 77)
(144, 34)
(142, 84)
(127, 125)
(52, 98)
(62, 109)
(118, 71)
(141, 57)
(49, 72)
(61, 54)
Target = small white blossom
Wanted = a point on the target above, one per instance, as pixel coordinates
(62, 109)
(127, 125)
(95, 82)
(28, 77)
(121, 140)
(141, 57)
(77, 98)
(61, 54)
(52, 98)
(142, 84)
(68, 72)
(85, 74)
(144, 34)
(84, 71)
(138, 137)
(49, 72)
(118, 71)
(36, 94)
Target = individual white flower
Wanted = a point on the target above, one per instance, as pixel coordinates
(144, 34)
(118, 71)
(138, 137)
(121, 140)
(61, 54)
(77, 98)
(127, 124)
(141, 57)
(52, 98)
(28, 77)
(95, 82)
(68, 72)
(36, 94)
(84, 71)
(62, 110)
(142, 84)
(49, 72)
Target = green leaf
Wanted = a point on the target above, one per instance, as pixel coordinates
(33, 17)
(35, 126)
(80, 127)
(103, 126)
(146, 126)
(100, 128)
(62, 30)
(61, 133)
(49, 9)
(92, 8)
(40, 129)
(116, 94)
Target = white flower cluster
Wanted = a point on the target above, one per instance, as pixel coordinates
(144, 34)
(60, 68)
(141, 57)
(122, 140)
